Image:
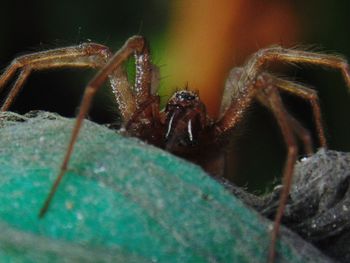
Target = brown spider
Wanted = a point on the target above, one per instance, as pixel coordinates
(183, 127)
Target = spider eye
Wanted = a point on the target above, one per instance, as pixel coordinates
(186, 96)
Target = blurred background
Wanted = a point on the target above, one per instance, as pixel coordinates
(193, 43)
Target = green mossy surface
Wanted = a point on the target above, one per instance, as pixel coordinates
(120, 201)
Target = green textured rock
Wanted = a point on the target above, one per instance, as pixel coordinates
(120, 201)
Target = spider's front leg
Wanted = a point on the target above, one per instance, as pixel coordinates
(136, 45)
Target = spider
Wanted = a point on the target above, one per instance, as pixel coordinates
(183, 127)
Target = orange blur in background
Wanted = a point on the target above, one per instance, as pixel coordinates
(207, 38)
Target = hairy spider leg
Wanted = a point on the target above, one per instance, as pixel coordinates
(309, 95)
(152, 102)
(265, 79)
(298, 130)
(135, 45)
(302, 133)
(246, 91)
(281, 115)
(280, 54)
(294, 56)
(87, 55)
(15, 89)
(306, 94)
(269, 96)
(253, 68)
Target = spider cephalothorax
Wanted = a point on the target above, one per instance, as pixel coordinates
(185, 119)
(179, 127)
(184, 127)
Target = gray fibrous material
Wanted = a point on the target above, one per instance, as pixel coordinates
(120, 201)
(322, 182)
(319, 202)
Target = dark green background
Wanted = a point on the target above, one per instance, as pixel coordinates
(39, 25)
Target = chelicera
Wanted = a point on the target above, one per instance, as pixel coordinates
(183, 127)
